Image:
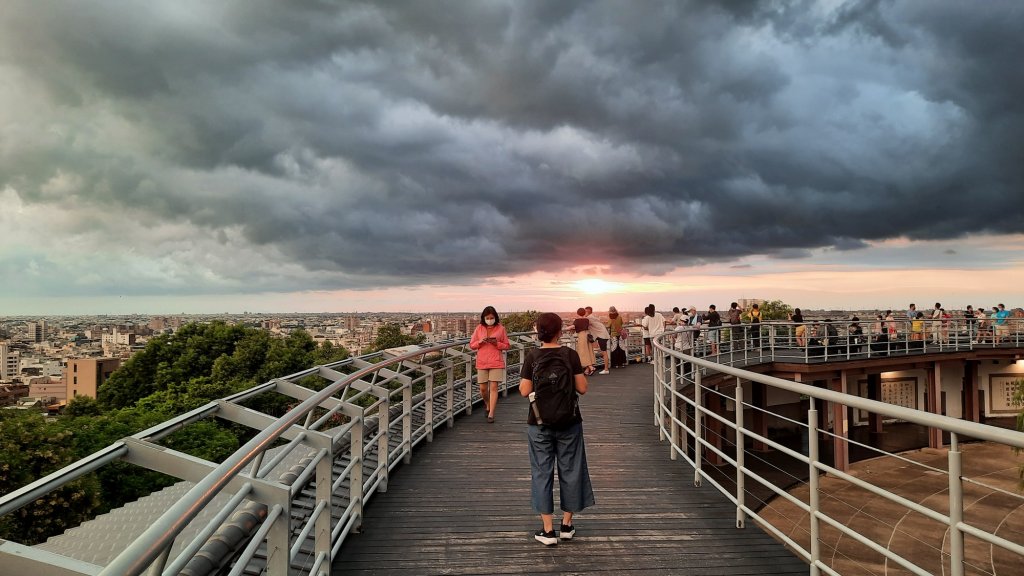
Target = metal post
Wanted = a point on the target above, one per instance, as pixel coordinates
(812, 449)
(676, 365)
(450, 394)
(355, 481)
(428, 415)
(325, 494)
(698, 425)
(659, 396)
(956, 508)
(383, 442)
(407, 422)
(279, 537)
(740, 450)
(469, 386)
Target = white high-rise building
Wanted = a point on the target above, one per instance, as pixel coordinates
(10, 362)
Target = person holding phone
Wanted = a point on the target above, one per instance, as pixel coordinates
(490, 341)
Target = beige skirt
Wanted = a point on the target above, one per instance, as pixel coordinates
(585, 349)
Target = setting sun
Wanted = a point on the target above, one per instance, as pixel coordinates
(596, 286)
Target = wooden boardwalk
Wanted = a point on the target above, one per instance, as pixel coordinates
(463, 505)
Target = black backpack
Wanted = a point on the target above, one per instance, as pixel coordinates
(555, 403)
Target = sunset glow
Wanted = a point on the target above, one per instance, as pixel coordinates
(597, 286)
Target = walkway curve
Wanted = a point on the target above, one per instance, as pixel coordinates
(463, 505)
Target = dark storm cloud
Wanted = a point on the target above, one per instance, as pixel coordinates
(409, 142)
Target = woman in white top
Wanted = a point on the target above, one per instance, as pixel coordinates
(653, 324)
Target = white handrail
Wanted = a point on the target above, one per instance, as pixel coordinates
(697, 370)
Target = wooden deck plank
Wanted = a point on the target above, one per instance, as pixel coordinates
(463, 505)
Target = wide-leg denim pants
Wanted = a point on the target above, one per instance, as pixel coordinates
(565, 448)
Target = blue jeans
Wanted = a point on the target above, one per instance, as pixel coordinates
(564, 447)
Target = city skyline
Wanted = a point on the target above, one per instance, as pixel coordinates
(187, 157)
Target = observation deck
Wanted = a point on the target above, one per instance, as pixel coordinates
(388, 469)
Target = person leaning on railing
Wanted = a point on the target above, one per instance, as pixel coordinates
(1002, 325)
(800, 331)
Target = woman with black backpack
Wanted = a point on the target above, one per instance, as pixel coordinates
(553, 380)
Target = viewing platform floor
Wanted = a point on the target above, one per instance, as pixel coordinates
(462, 506)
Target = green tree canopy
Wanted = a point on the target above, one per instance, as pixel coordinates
(772, 310)
(189, 352)
(172, 375)
(31, 448)
(520, 321)
(390, 336)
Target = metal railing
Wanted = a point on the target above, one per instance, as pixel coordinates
(301, 482)
(303, 479)
(708, 427)
(824, 341)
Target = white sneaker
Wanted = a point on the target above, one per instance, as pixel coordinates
(604, 372)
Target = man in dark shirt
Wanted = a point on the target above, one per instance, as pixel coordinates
(714, 320)
(736, 332)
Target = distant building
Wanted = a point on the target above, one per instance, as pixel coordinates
(10, 361)
(37, 331)
(47, 387)
(119, 336)
(746, 303)
(455, 325)
(83, 376)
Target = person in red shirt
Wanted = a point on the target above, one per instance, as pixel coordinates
(490, 341)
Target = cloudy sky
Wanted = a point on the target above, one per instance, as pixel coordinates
(195, 156)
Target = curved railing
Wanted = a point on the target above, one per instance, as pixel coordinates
(826, 341)
(298, 487)
(707, 426)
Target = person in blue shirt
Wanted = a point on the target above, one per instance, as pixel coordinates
(1000, 313)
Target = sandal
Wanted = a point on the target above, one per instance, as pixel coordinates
(588, 372)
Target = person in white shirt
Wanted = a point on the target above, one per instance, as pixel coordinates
(653, 324)
(600, 333)
(935, 326)
(682, 322)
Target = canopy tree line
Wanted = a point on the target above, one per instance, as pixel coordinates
(172, 375)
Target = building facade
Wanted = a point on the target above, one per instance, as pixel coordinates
(10, 361)
(83, 376)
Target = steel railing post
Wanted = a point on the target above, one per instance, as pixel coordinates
(740, 449)
(674, 436)
(324, 493)
(450, 394)
(469, 385)
(355, 490)
(698, 425)
(814, 503)
(956, 507)
(279, 537)
(383, 442)
(407, 422)
(428, 408)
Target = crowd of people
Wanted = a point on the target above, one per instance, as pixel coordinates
(553, 376)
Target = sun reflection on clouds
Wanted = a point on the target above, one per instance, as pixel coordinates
(597, 286)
